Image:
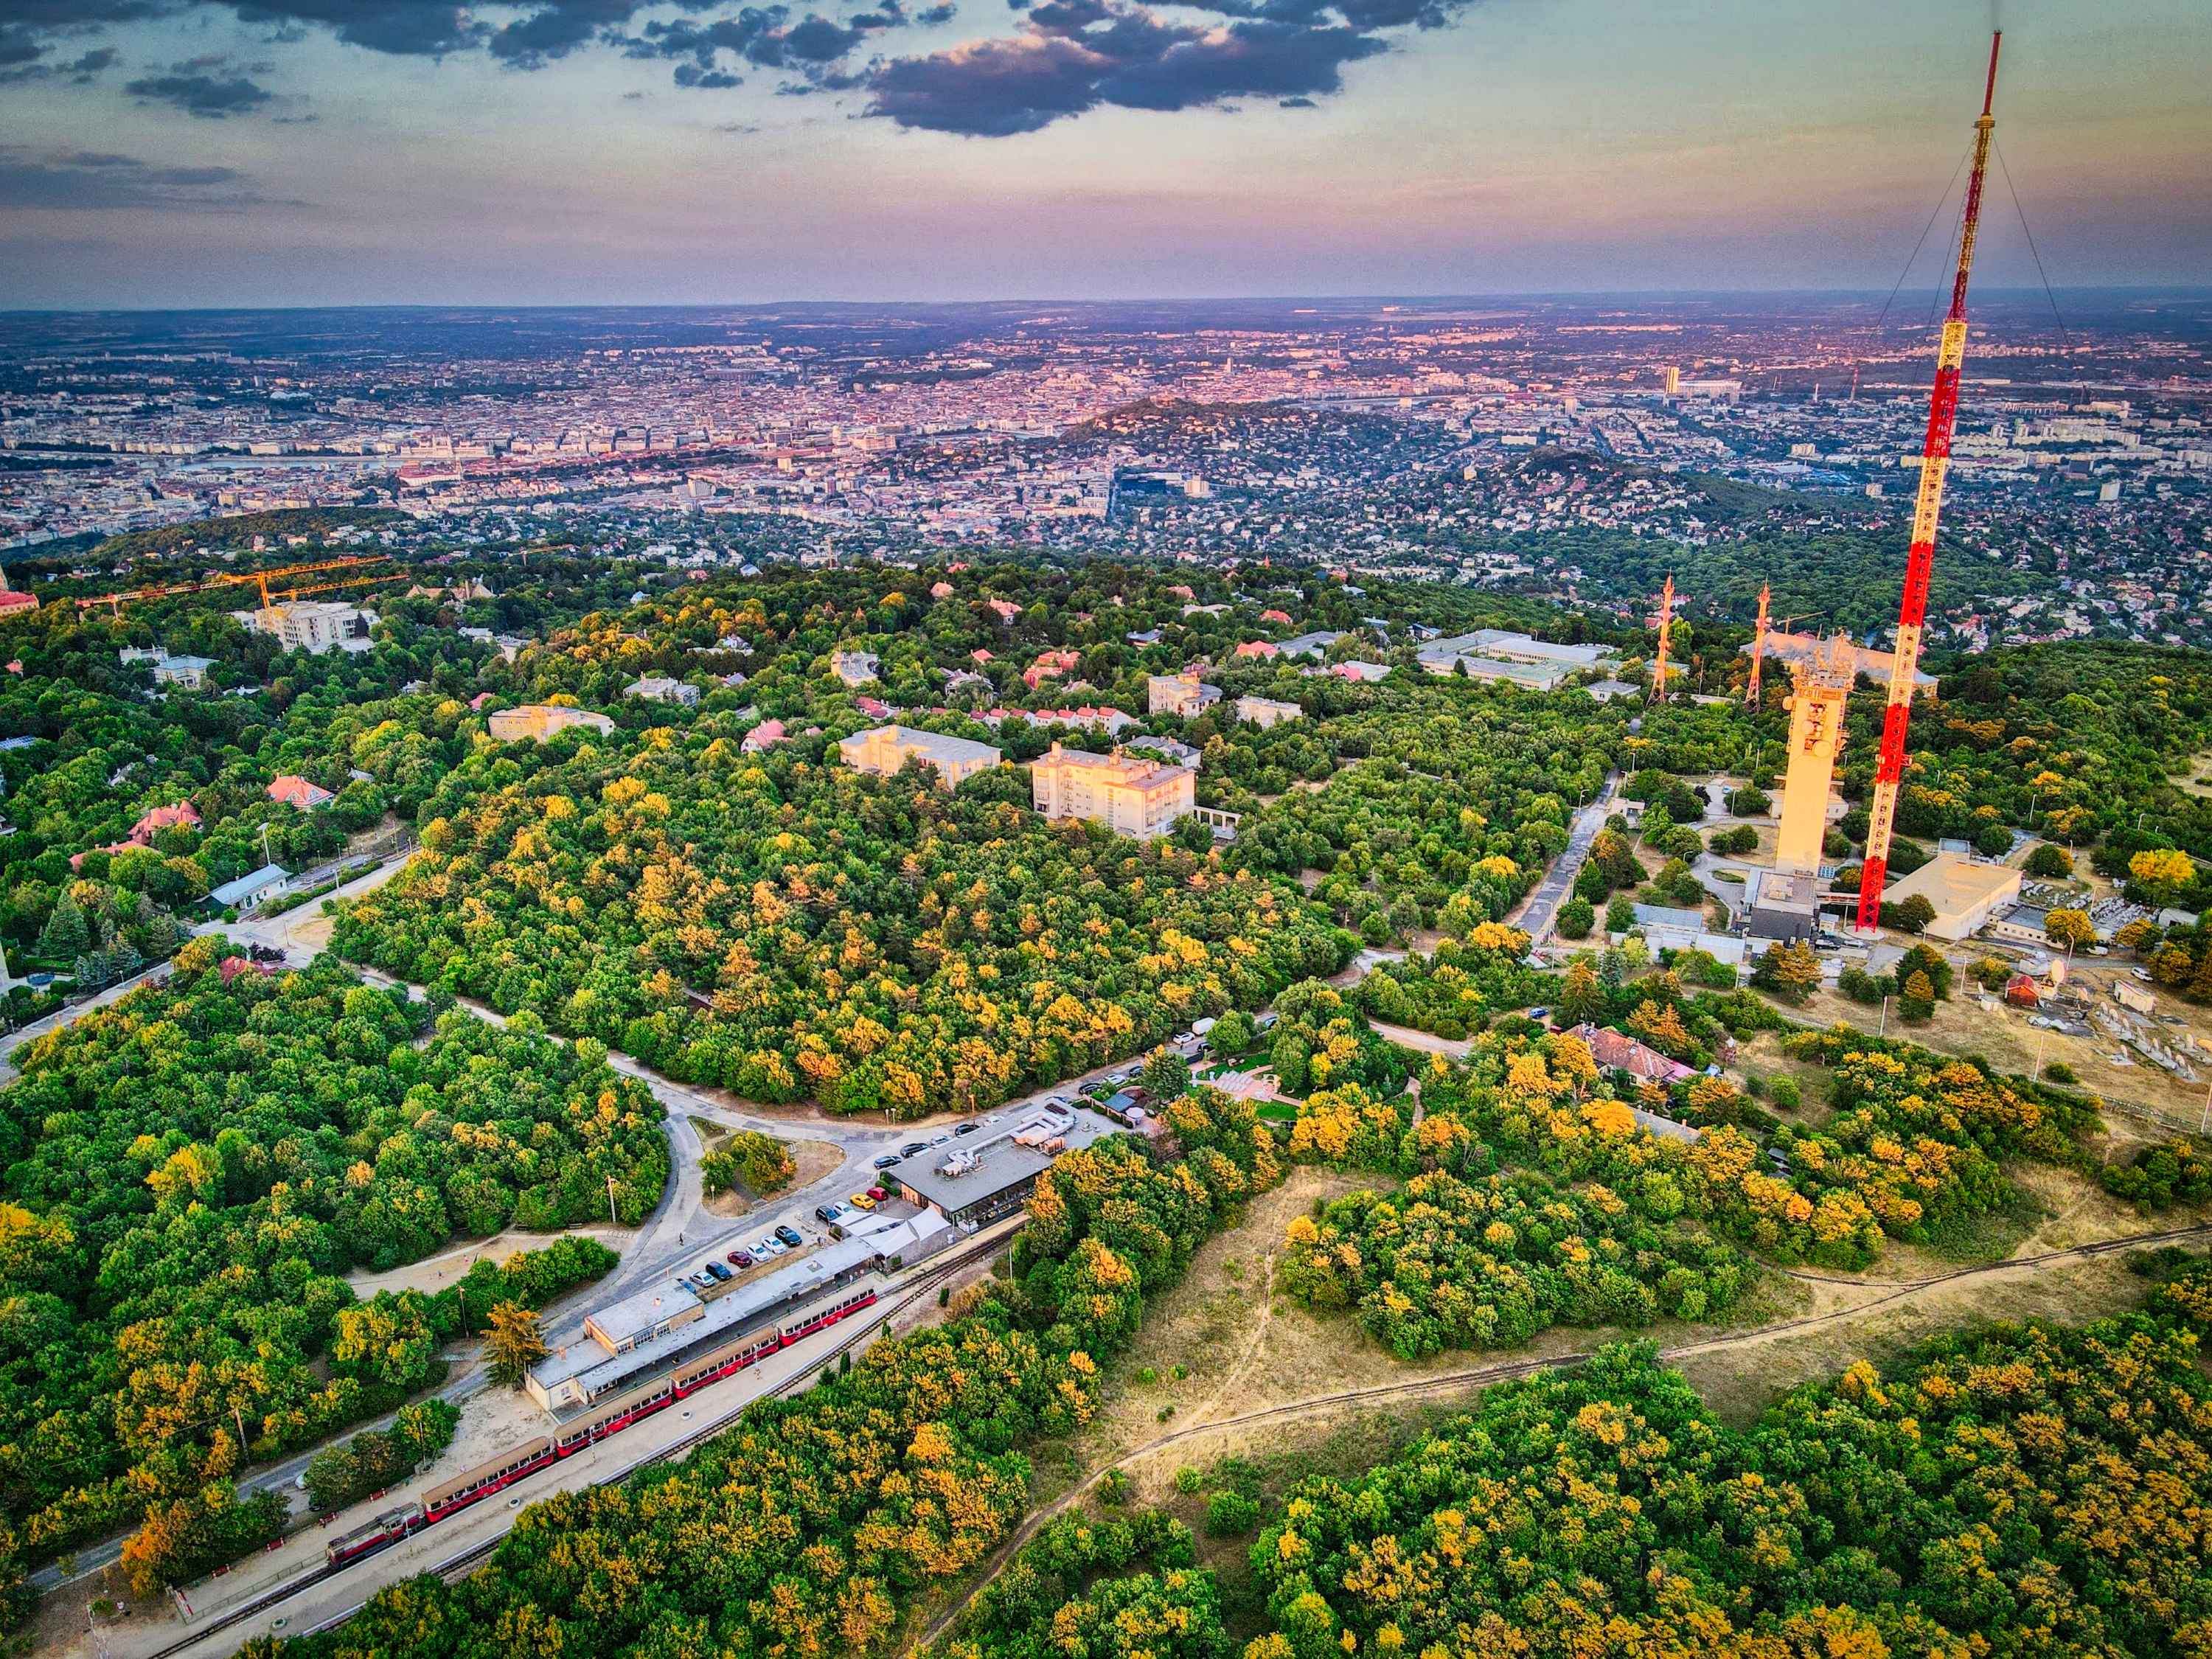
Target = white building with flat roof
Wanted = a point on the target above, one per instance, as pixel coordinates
(1179, 693)
(884, 750)
(1965, 893)
(1264, 712)
(312, 625)
(533, 722)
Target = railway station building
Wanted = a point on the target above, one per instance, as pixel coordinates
(642, 1335)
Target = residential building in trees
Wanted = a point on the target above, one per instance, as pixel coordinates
(1138, 797)
(884, 750)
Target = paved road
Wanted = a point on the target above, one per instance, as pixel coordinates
(680, 1235)
(1541, 909)
(298, 1599)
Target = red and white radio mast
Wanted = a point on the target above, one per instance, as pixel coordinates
(1920, 562)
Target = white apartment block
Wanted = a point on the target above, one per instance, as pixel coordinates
(884, 750)
(312, 625)
(1136, 796)
(536, 721)
(1264, 712)
(1179, 693)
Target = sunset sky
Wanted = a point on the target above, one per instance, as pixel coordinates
(252, 152)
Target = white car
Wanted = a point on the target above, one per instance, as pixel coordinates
(771, 1245)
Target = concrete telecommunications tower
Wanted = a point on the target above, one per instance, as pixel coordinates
(1920, 562)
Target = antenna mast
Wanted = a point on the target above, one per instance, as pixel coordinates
(1757, 652)
(1920, 562)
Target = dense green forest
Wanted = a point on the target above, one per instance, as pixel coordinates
(1603, 1509)
(2013, 1491)
(185, 1177)
(188, 1175)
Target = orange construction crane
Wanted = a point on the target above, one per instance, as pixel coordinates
(292, 593)
(258, 579)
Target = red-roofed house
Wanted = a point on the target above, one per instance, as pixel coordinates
(766, 735)
(231, 967)
(1006, 609)
(1257, 648)
(1617, 1051)
(1275, 616)
(182, 816)
(297, 792)
(76, 859)
(1050, 666)
(874, 708)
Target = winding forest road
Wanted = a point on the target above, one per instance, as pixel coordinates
(1506, 1371)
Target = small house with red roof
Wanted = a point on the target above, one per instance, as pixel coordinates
(182, 816)
(298, 793)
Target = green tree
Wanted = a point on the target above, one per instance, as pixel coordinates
(512, 1343)
(2069, 927)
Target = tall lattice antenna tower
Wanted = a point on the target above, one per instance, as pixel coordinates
(1920, 562)
(1758, 651)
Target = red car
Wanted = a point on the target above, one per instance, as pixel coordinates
(740, 1259)
(877, 1193)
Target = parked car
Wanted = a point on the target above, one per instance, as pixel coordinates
(861, 1202)
(790, 1237)
(1540, 1015)
(912, 1148)
(877, 1193)
(741, 1258)
(967, 1128)
(887, 1160)
(939, 1141)
(826, 1214)
(718, 1273)
(768, 1245)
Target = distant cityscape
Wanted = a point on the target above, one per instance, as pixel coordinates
(1564, 448)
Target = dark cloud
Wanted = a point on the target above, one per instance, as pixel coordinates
(555, 31)
(762, 36)
(1073, 55)
(79, 72)
(1062, 57)
(209, 88)
(426, 28)
(90, 181)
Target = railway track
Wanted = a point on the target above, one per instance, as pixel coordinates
(465, 1561)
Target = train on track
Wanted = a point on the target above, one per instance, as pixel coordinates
(589, 1427)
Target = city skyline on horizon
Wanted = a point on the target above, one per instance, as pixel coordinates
(189, 154)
